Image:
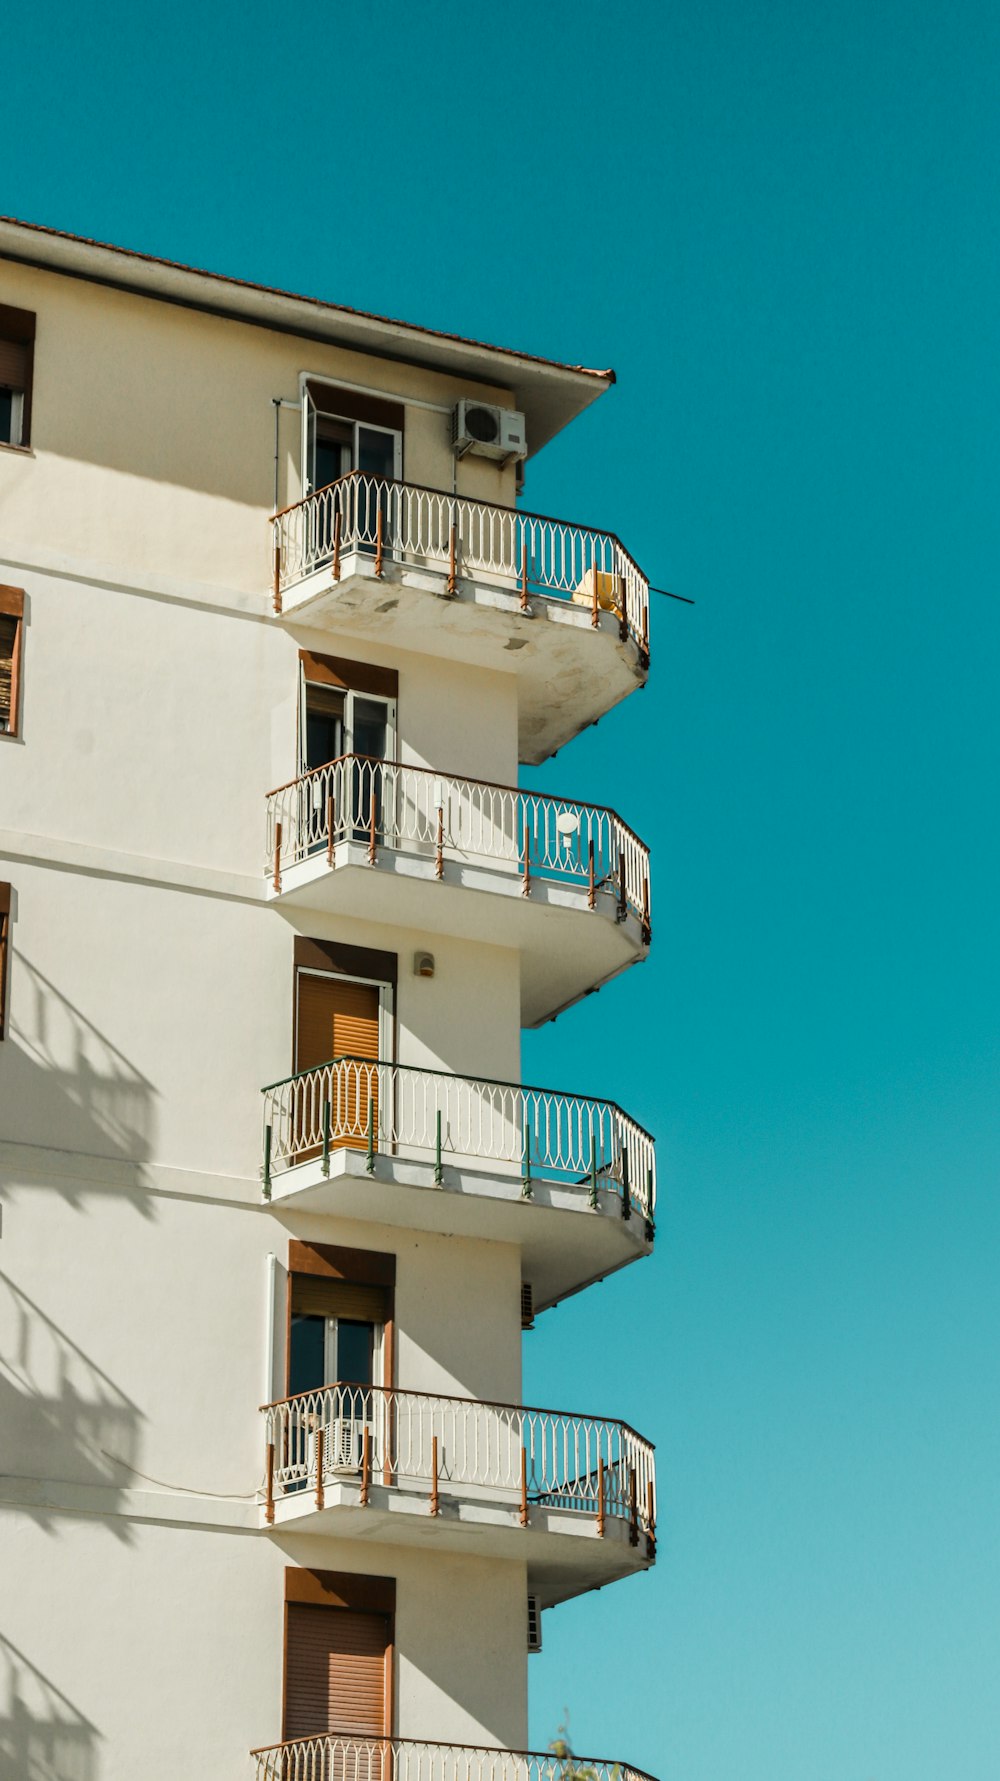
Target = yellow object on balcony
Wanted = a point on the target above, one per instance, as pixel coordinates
(609, 591)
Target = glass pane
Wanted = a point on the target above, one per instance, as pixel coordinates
(306, 1368)
(7, 417)
(371, 722)
(355, 1352)
(333, 450)
(376, 452)
(324, 726)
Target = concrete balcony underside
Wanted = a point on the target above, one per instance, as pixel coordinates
(567, 949)
(569, 672)
(566, 1555)
(565, 1242)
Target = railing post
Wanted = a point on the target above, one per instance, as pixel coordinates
(329, 830)
(276, 590)
(524, 1486)
(276, 880)
(366, 1465)
(633, 1509)
(336, 545)
(623, 611)
(622, 912)
(438, 1170)
(647, 932)
(526, 1159)
(269, 1509)
(370, 1164)
(526, 859)
(626, 1185)
(326, 1137)
(593, 1168)
(371, 827)
(524, 577)
(595, 615)
(650, 1521)
(591, 885)
(435, 1493)
(439, 861)
(453, 559)
(320, 1498)
(267, 1162)
(378, 542)
(601, 1498)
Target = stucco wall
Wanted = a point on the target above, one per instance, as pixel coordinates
(186, 1675)
(153, 432)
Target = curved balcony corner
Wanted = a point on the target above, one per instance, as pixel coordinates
(351, 1758)
(471, 576)
(567, 883)
(573, 1496)
(569, 1178)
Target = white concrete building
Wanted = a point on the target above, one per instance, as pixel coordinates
(252, 541)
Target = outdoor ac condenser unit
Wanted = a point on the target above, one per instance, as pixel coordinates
(488, 432)
(534, 1624)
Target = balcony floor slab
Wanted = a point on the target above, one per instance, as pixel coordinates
(566, 1244)
(567, 949)
(569, 671)
(565, 1553)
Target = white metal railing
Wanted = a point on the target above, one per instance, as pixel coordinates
(343, 1756)
(454, 1446)
(394, 1109)
(414, 810)
(404, 523)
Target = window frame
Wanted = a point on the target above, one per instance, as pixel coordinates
(12, 606)
(17, 326)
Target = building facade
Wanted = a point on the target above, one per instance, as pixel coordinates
(275, 637)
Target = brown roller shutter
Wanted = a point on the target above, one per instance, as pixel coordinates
(8, 652)
(341, 1019)
(335, 1672)
(13, 365)
(314, 1297)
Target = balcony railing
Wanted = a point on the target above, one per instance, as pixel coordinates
(453, 1446)
(401, 522)
(337, 1756)
(393, 1109)
(413, 810)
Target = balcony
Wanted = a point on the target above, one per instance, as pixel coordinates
(567, 885)
(350, 1758)
(572, 1496)
(379, 560)
(570, 1179)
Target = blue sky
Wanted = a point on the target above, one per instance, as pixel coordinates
(780, 225)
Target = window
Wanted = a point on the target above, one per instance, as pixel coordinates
(17, 353)
(4, 950)
(11, 625)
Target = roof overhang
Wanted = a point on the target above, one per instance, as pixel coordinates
(549, 394)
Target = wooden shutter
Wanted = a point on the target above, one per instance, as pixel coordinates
(335, 1672)
(335, 1019)
(316, 1297)
(8, 651)
(13, 365)
(341, 1019)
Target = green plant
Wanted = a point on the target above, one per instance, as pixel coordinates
(567, 1768)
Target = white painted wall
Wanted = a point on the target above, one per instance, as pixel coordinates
(153, 432)
(156, 1650)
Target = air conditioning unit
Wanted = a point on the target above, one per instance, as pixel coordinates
(527, 1306)
(488, 432)
(534, 1624)
(342, 1442)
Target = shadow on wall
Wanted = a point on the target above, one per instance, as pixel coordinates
(66, 1085)
(43, 1737)
(60, 1415)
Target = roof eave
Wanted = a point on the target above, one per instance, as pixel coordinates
(549, 393)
